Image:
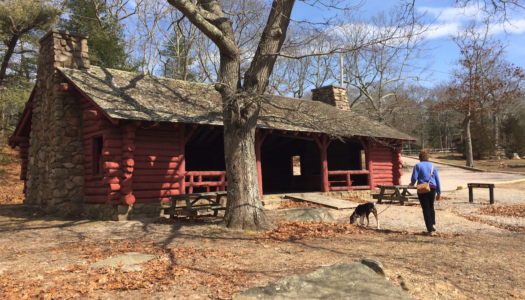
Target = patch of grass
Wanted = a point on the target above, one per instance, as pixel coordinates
(5, 159)
(3, 171)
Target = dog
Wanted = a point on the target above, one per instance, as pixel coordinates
(362, 211)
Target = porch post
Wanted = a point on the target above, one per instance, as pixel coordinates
(259, 139)
(258, 160)
(182, 158)
(323, 145)
(370, 164)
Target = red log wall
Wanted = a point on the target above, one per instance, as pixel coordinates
(385, 164)
(156, 158)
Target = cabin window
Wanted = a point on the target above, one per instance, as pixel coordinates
(296, 165)
(96, 161)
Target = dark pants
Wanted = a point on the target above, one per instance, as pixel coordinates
(427, 203)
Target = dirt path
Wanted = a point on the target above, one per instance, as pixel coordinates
(451, 177)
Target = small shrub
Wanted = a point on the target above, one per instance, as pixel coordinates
(513, 137)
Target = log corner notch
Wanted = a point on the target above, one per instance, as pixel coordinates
(323, 144)
(128, 147)
(397, 163)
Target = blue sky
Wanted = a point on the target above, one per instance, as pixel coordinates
(449, 19)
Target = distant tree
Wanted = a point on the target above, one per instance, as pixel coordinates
(396, 42)
(19, 18)
(176, 58)
(107, 44)
(484, 81)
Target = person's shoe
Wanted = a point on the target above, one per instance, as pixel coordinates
(434, 227)
(433, 233)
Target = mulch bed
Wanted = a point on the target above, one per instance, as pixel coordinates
(358, 200)
(292, 203)
(504, 210)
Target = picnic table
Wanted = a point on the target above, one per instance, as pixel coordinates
(193, 204)
(400, 194)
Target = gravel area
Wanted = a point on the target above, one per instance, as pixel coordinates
(450, 213)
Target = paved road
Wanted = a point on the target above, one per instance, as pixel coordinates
(451, 177)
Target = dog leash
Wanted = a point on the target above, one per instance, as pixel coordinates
(385, 209)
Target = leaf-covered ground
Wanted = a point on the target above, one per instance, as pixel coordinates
(504, 210)
(11, 186)
(47, 258)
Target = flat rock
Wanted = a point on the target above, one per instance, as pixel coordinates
(307, 214)
(344, 280)
(131, 261)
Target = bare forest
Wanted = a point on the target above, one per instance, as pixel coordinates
(385, 61)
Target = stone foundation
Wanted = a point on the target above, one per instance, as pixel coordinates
(124, 212)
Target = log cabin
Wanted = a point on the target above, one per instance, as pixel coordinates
(106, 141)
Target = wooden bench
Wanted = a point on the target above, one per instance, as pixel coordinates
(400, 194)
(192, 206)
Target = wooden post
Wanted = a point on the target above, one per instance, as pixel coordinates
(182, 159)
(258, 160)
(370, 164)
(259, 139)
(323, 145)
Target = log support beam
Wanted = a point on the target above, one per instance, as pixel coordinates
(323, 142)
(259, 139)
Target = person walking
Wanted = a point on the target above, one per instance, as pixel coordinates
(426, 175)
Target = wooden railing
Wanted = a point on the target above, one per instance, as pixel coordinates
(345, 184)
(214, 179)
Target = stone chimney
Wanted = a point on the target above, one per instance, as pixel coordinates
(331, 95)
(55, 175)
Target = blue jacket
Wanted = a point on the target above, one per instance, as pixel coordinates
(421, 173)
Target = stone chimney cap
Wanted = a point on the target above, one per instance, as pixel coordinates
(332, 95)
(64, 32)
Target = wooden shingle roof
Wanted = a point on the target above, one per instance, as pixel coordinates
(132, 96)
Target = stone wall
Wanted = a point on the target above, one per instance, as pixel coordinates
(124, 212)
(55, 176)
(332, 95)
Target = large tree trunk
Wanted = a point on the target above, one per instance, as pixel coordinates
(5, 62)
(244, 208)
(241, 103)
(468, 142)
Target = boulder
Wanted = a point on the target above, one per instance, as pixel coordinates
(307, 214)
(515, 156)
(344, 280)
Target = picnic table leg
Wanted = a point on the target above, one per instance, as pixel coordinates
(401, 200)
(381, 194)
(217, 202)
(192, 219)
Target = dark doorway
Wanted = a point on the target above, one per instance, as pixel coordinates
(205, 150)
(290, 164)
